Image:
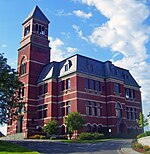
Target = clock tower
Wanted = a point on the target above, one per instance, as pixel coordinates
(33, 55)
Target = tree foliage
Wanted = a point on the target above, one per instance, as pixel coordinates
(74, 121)
(142, 121)
(51, 127)
(8, 86)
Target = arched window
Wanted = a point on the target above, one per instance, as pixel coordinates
(118, 108)
(23, 66)
(88, 128)
(94, 128)
(99, 128)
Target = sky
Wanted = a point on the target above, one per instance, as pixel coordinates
(115, 30)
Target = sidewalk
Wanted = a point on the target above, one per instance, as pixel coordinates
(126, 149)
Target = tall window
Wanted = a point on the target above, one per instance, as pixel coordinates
(42, 111)
(21, 92)
(118, 110)
(127, 93)
(87, 83)
(94, 113)
(62, 109)
(131, 113)
(98, 109)
(132, 93)
(92, 84)
(67, 107)
(45, 87)
(87, 107)
(68, 84)
(127, 113)
(62, 85)
(116, 88)
(98, 86)
(23, 66)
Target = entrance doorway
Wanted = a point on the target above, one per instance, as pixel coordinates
(19, 124)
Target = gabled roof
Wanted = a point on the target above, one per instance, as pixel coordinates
(36, 13)
(89, 66)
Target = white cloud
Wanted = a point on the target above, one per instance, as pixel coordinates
(3, 45)
(79, 32)
(59, 50)
(62, 13)
(71, 50)
(82, 14)
(126, 33)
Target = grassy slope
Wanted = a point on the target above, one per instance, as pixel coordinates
(9, 148)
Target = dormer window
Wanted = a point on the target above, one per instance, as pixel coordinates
(67, 65)
(23, 66)
(27, 30)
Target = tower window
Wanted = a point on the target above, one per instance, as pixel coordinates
(27, 30)
(36, 27)
(23, 66)
(43, 30)
(40, 29)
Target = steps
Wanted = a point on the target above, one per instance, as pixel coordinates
(18, 136)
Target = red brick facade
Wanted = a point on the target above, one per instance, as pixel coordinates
(108, 104)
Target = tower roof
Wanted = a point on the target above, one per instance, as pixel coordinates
(36, 13)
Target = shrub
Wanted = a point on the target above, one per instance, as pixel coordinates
(137, 145)
(98, 136)
(55, 137)
(147, 133)
(90, 136)
(37, 137)
(146, 148)
(42, 137)
(86, 136)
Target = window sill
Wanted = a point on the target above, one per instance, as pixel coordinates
(65, 91)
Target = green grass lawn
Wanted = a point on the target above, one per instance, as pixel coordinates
(9, 148)
(87, 141)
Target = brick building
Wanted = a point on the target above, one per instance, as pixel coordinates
(108, 97)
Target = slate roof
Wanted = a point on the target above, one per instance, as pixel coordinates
(89, 66)
(36, 13)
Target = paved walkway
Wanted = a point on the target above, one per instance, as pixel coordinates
(126, 149)
(55, 147)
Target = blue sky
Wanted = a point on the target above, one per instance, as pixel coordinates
(116, 30)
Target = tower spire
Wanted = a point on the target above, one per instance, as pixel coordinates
(36, 13)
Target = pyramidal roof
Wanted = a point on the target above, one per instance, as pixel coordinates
(36, 13)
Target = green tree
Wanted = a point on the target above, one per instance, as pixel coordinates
(142, 121)
(51, 127)
(9, 85)
(74, 122)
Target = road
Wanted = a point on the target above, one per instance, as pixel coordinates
(46, 147)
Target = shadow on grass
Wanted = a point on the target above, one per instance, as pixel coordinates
(7, 147)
